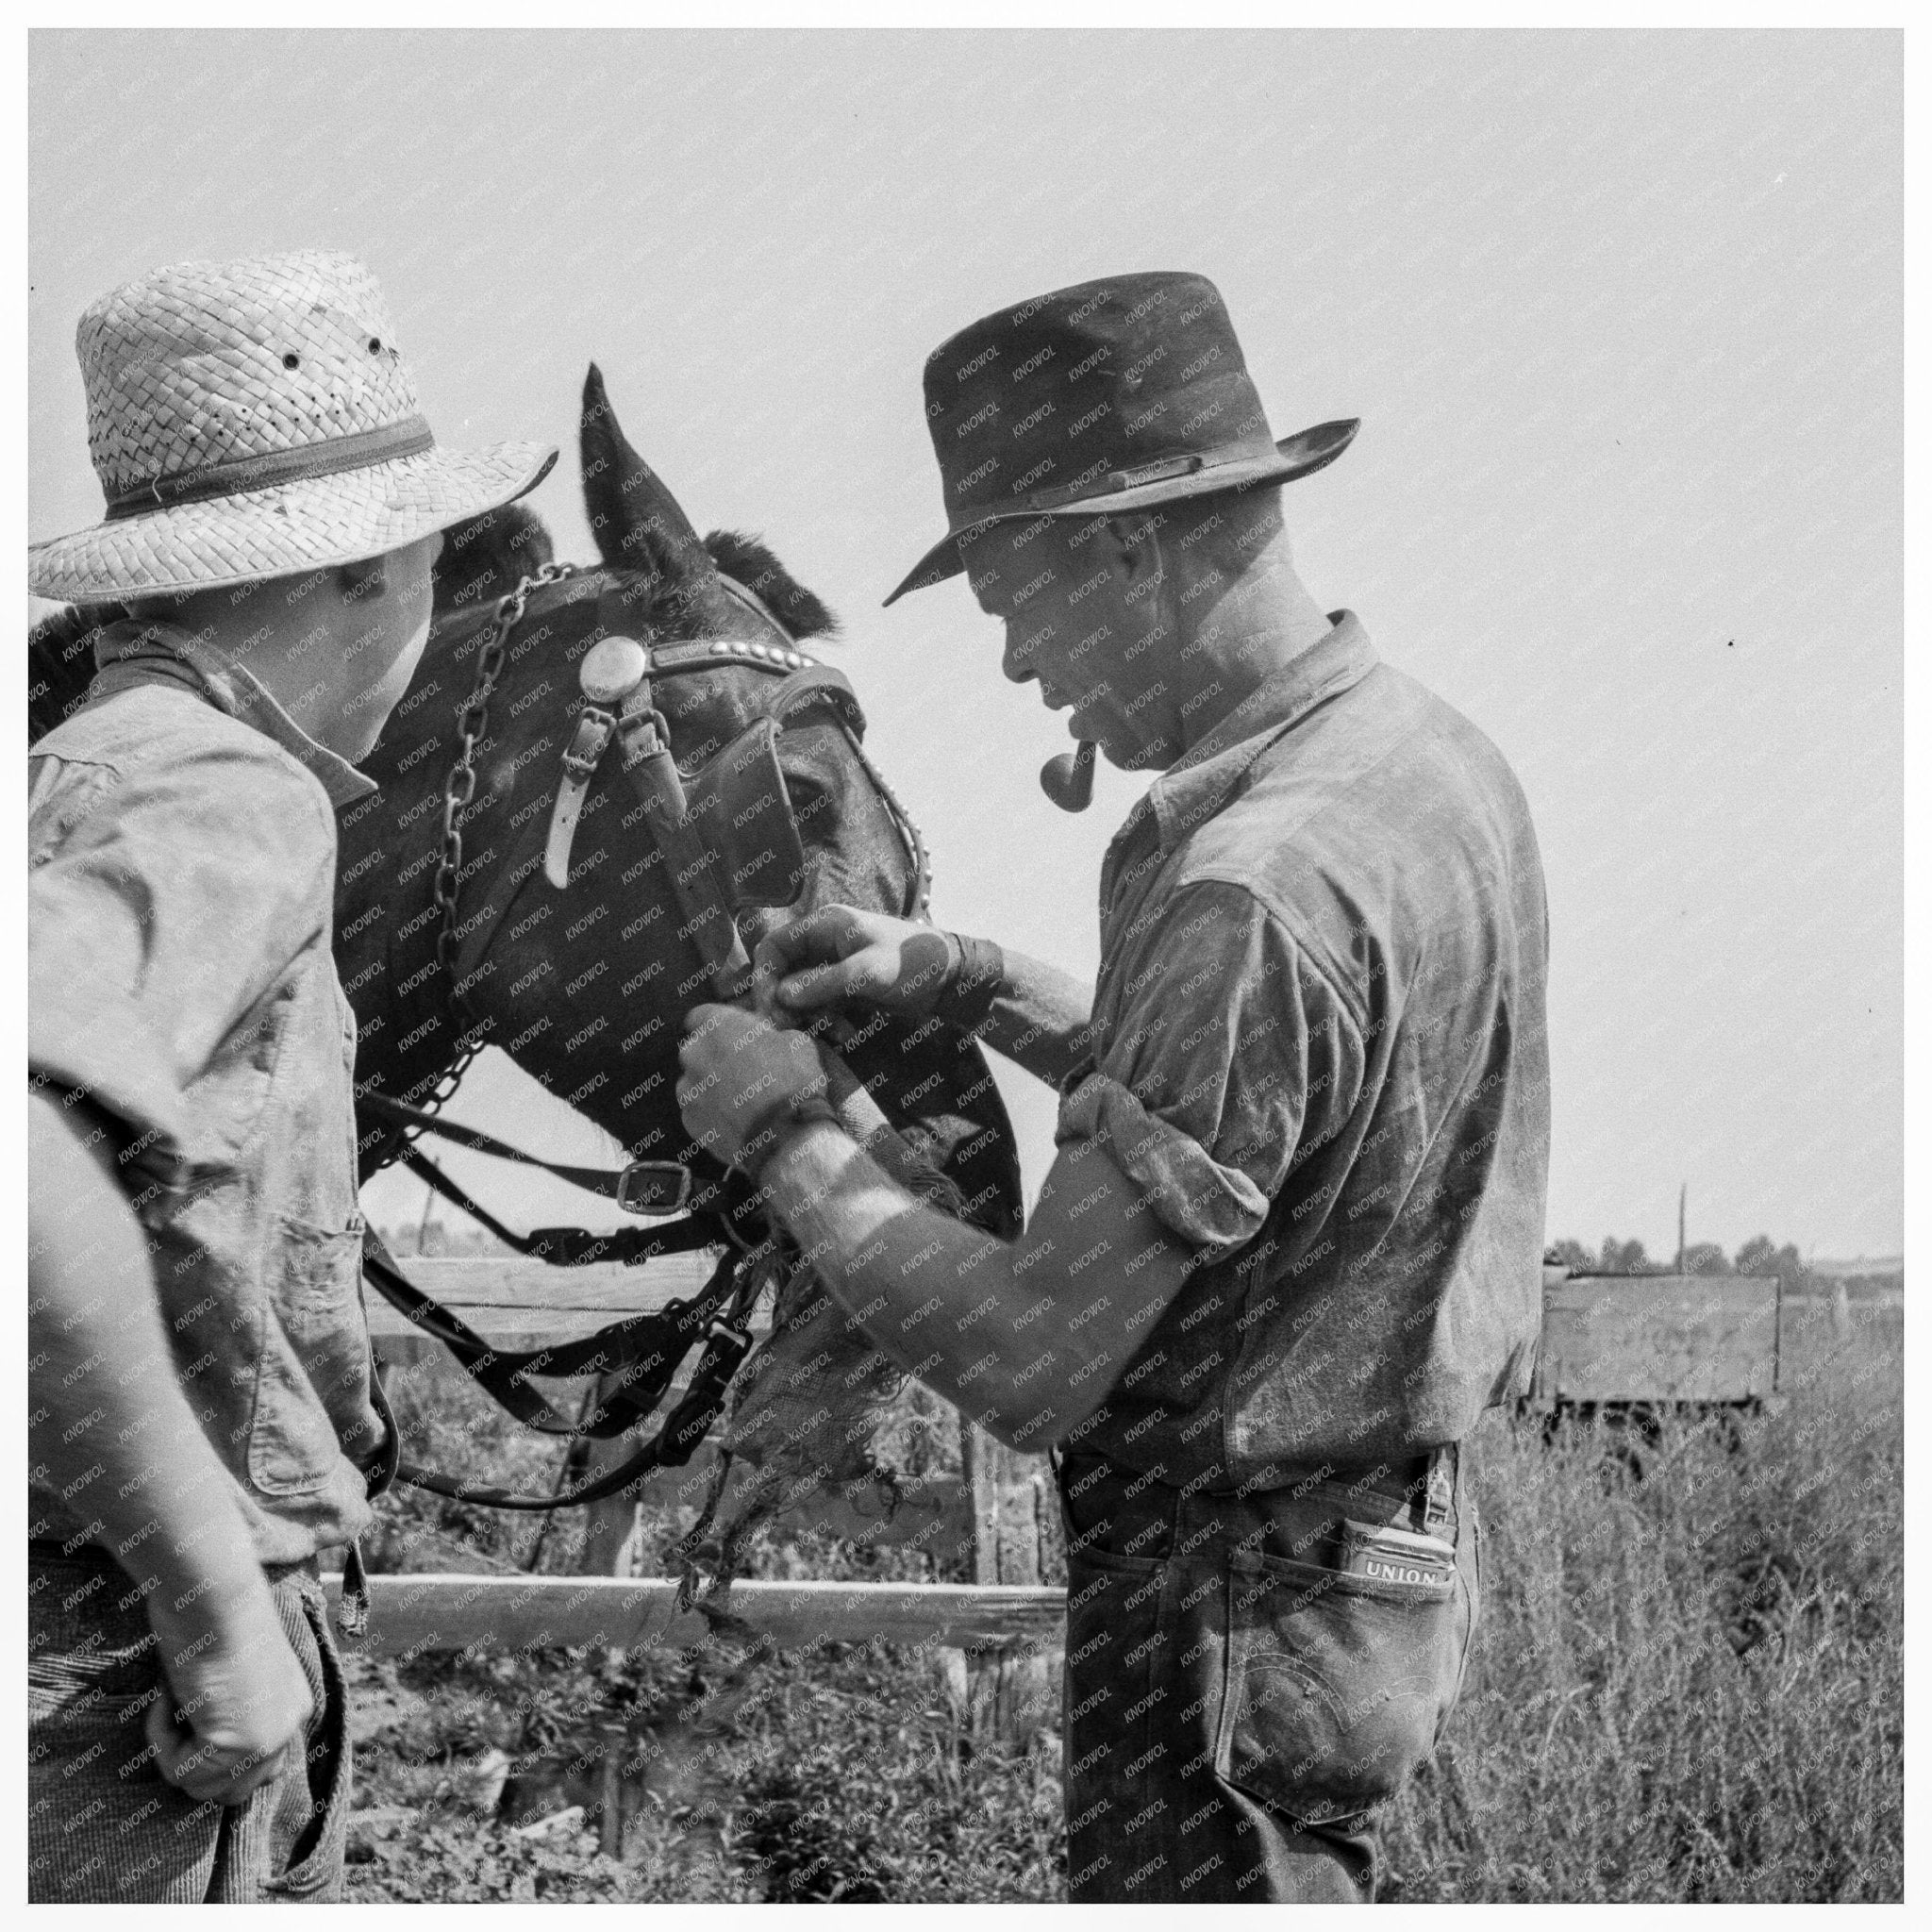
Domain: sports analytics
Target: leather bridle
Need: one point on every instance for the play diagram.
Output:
(619, 677)
(639, 1354)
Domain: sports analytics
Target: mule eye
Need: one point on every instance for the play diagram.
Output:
(808, 798)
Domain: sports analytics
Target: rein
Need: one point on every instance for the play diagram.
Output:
(636, 1357)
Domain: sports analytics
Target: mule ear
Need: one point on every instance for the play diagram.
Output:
(487, 556)
(636, 522)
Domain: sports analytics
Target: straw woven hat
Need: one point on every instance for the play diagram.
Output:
(254, 419)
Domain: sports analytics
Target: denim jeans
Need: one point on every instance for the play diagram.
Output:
(103, 1825)
(1249, 1678)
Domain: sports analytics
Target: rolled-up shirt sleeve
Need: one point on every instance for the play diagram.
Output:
(1229, 1052)
(164, 904)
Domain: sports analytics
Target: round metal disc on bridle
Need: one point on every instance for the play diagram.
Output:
(612, 668)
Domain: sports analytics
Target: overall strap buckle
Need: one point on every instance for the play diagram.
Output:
(1438, 1505)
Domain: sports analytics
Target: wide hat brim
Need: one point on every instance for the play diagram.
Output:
(1300, 455)
(314, 524)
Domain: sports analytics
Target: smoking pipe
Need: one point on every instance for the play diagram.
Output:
(1068, 779)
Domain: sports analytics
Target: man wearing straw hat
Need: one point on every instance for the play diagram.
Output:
(202, 1406)
(1290, 1249)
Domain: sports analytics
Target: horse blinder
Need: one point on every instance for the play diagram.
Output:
(736, 804)
(743, 812)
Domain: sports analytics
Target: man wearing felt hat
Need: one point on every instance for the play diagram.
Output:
(204, 1412)
(1290, 1248)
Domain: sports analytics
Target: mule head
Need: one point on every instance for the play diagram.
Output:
(587, 986)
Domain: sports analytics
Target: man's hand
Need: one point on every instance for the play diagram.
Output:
(742, 1078)
(111, 1424)
(236, 1699)
(838, 954)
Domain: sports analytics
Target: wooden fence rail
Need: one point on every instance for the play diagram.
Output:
(411, 1614)
(515, 1303)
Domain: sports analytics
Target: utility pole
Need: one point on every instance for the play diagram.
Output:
(1683, 1194)
(423, 1227)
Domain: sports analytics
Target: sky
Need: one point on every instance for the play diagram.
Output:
(1621, 314)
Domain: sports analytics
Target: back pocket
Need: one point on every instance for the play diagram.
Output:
(1339, 1683)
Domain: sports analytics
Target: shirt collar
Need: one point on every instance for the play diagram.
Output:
(1195, 788)
(236, 690)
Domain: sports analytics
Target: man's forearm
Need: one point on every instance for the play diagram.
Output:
(109, 1427)
(1041, 1020)
(948, 1303)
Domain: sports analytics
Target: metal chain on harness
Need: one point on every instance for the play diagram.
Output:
(473, 723)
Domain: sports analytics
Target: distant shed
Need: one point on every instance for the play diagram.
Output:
(1658, 1337)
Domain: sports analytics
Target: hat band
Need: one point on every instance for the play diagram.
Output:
(1108, 483)
(1114, 481)
(409, 438)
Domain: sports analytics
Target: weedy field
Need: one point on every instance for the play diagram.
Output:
(1687, 1684)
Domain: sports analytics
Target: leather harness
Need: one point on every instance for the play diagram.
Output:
(734, 807)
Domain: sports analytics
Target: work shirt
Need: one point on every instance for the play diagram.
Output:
(181, 874)
(1319, 1050)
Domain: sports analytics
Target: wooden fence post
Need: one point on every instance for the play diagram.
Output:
(609, 1525)
(610, 1790)
(1008, 1692)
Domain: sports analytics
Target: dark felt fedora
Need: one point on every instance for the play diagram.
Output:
(1099, 398)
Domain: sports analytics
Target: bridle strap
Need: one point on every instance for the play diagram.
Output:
(571, 1247)
(747, 595)
(673, 1446)
(638, 1357)
(690, 864)
(614, 1184)
(718, 1312)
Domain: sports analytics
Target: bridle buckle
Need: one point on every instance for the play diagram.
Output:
(653, 1187)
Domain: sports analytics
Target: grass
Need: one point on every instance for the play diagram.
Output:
(1687, 1685)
